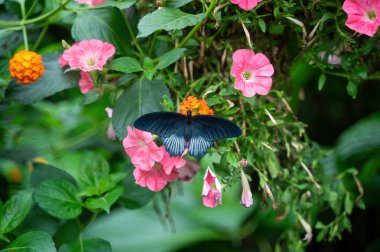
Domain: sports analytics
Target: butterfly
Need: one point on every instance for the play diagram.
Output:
(179, 132)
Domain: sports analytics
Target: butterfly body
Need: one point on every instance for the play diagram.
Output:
(179, 132)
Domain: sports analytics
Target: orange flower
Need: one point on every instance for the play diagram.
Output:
(197, 107)
(15, 175)
(26, 67)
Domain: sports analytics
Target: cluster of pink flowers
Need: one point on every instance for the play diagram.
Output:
(87, 56)
(363, 16)
(154, 167)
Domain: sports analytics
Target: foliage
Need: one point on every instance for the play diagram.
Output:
(60, 172)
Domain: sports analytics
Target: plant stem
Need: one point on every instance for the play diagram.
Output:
(31, 9)
(42, 34)
(195, 28)
(33, 20)
(134, 40)
(24, 34)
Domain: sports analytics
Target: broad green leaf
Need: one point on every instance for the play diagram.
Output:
(120, 4)
(142, 97)
(262, 25)
(59, 198)
(5, 76)
(93, 168)
(91, 96)
(134, 196)
(67, 232)
(42, 172)
(352, 89)
(167, 19)
(170, 57)
(53, 81)
(321, 81)
(91, 245)
(126, 65)
(15, 210)
(31, 242)
(176, 3)
(106, 201)
(110, 180)
(106, 25)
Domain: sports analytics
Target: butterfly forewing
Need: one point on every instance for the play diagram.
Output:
(160, 123)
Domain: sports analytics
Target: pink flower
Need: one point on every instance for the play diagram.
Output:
(158, 176)
(188, 171)
(110, 131)
(363, 15)
(212, 190)
(88, 55)
(246, 4)
(252, 72)
(141, 149)
(85, 83)
(90, 2)
(246, 196)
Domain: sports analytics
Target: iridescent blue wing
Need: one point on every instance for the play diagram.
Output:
(214, 128)
(163, 124)
(176, 143)
(198, 146)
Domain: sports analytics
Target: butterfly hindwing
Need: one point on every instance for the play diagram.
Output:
(198, 145)
(163, 124)
(176, 143)
(215, 128)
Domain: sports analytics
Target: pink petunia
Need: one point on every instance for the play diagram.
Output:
(246, 195)
(158, 176)
(363, 15)
(246, 4)
(90, 2)
(110, 131)
(62, 62)
(252, 72)
(85, 83)
(188, 171)
(88, 55)
(141, 149)
(212, 190)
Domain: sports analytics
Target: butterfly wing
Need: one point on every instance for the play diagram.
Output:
(163, 124)
(198, 145)
(175, 144)
(214, 128)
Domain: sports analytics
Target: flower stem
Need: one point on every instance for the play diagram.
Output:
(24, 34)
(134, 40)
(42, 34)
(195, 28)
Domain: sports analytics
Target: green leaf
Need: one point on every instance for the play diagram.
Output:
(321, 81)
(31, 242)
(167, 19)
(126, 65)
(348, 204)
(91, 245)
(106, 25)
(352, 89)
(120, 4)
(110, 180)
(176, 3)
(5, 76)
(262, 25)
(53, 81)
(67, 232)
(105, 202)
(170, 57)
(92, 169)
(142, 97)
(91, 96)
(15, 210)
(42, 172)
(59, 198)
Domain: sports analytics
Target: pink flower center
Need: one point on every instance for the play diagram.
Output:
(157, 166)
(90, 61)
(247, 75)
(371, 15)
(141, 143)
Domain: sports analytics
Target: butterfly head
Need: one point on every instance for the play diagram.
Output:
(189, 113)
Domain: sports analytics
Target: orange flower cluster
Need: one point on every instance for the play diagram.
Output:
(197, 107)
(26, 67)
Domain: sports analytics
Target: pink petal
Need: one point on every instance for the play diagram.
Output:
(85, 83)
(262, 85)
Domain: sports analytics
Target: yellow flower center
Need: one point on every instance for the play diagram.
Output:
(26, 66)
(247, 75)
(90, 61)
(197, 107)
(371, 15)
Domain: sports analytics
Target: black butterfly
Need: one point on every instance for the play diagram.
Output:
(178, 132)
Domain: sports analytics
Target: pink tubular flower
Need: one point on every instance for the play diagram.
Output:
(252, 72)
(110, 131)
(90, 2)
(246, 196)
(157, 177)
(88, 55)
(246, 4)
(212, 190)
(141, 149)
(188, 171)
(85, 83)
(363, 15)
